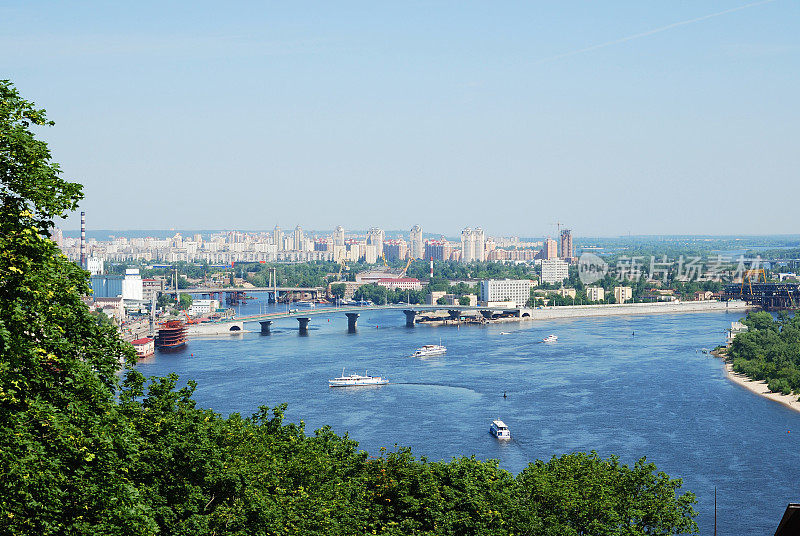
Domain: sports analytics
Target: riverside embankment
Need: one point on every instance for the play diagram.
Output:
(577, 311)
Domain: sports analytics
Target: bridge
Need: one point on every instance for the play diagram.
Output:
(218, 290)
(769, 296)
(304, 316)
(235, 294)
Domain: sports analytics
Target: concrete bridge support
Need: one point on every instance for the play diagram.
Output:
(303, 325)
(265, 324)
(455, 314)
(487, 314)
(351, 322)
(410, 316)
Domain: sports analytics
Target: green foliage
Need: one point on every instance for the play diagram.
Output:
(63, 447)
(185, 301)
(83, 452)
(338, 290)
(769, 351)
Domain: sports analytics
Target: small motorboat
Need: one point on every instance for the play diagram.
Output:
(550, 338)
(499, 430)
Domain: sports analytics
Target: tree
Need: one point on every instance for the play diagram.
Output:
(185, 301)
(338, 290)
(463, 300)
(62, 446)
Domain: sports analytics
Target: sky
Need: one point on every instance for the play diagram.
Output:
(642, 117)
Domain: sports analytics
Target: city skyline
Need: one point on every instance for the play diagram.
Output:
(612, 116)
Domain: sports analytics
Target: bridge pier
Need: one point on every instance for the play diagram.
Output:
(488, 314)
(265, 324)
(455, 314)
(410, 316)
(351, 322)
(303, 325)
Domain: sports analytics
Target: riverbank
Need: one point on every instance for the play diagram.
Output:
(760, 388)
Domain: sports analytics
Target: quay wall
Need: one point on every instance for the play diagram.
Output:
(576, 311)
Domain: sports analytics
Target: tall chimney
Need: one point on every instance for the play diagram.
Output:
(83, 240)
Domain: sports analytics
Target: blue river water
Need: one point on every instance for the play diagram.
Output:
(631, 386)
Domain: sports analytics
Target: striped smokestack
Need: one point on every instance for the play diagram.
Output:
(83, 240)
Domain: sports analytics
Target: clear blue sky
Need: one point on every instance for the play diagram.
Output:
(449, 114)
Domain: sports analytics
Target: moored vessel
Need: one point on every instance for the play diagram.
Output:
(356, 380)
(171, 335)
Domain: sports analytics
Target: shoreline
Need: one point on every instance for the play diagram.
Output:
(759, 387)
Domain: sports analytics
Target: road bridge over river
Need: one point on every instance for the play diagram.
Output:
(305, 315)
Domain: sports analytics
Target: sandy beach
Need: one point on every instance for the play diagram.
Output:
(760, 388)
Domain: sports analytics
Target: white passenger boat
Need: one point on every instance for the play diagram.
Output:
(429, 350)
(305, 304)
(550, 338)
(354, 380)
(499, 430)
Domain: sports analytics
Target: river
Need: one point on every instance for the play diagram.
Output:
(632, 386)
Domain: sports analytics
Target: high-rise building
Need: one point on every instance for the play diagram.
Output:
(417, 248)
(376, 238)
(549, 249)
(566, 245)
(298, 239)
(473, 245)
(277, 237)
(338, 236)
(395, 249)
(438, 250)
(554, 270)
(467, 245)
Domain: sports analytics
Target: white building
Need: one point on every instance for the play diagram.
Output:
(595, 293)
(376, 237)
(554, 270)
(338, 236)
(623, 294)
(95, 265)
(132, 288)
(473, 246)
(402, 283)
(517, 291)
(200, 307)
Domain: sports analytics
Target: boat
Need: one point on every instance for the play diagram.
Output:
(355, 380)
(429, 350)
(499, 430)
(305, 304)
(171, 335)
(550, 338)
(505, 333)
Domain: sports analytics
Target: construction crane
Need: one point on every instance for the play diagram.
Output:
(385, 264)
(749, 274)
(405, 269)
(342, 266)
(190, 320)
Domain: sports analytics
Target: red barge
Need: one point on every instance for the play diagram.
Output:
(171, 335)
